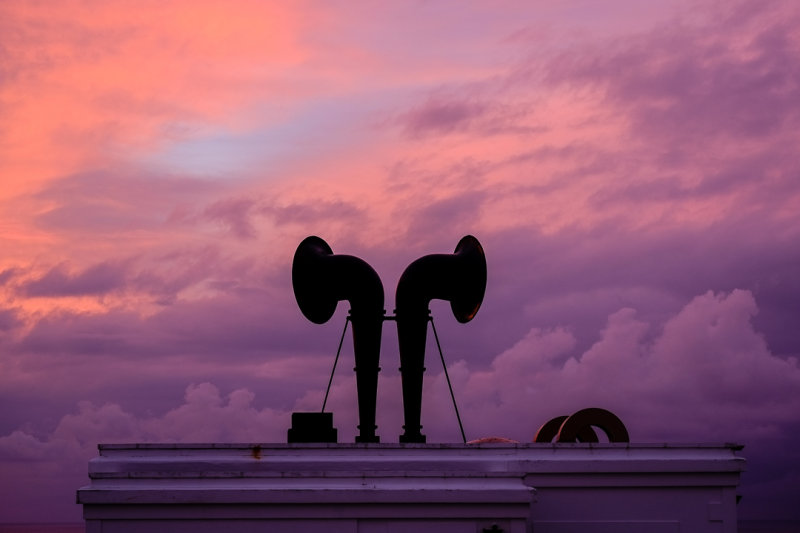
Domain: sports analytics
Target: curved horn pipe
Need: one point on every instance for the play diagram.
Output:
(549, 431)
(320, 280)
(459, 278)
(578, 427)
(610, 423)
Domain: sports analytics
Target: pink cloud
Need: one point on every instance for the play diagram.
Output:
(233, 213)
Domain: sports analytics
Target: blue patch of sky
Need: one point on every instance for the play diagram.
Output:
(315, 129)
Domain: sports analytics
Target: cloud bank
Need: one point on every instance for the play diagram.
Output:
(703, 375)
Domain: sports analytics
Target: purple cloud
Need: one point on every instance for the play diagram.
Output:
(98, 279)
(7, 275)
(313, 214)
(81, 334)
(689, 94)
(468, 109)
(233, 213)
(440, 115)
(435, 221)
(9, 320)
(204, 416)
(696, 81)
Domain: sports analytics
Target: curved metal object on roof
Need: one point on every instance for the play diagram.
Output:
(459, 278)
(321, 279)
(610, 423)
(549, 431)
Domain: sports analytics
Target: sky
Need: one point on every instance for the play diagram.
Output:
(630, 169)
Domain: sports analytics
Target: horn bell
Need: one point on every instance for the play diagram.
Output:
(471, 279)
(311, 283)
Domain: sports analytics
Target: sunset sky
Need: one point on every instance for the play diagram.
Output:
(631, 169)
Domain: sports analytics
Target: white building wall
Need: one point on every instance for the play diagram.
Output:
(544, 488)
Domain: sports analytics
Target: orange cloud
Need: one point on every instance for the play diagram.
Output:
(93, 82)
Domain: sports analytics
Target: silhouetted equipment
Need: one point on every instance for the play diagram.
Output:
(312, 427)
(549, 431)
(593, 416)
(459, 278)
(578, 427)
(320, 280)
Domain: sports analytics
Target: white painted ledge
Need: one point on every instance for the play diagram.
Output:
(425, 487)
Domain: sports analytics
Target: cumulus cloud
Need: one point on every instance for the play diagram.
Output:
(205, 416)
(703, 375)
(54, 465)
(707, 375)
